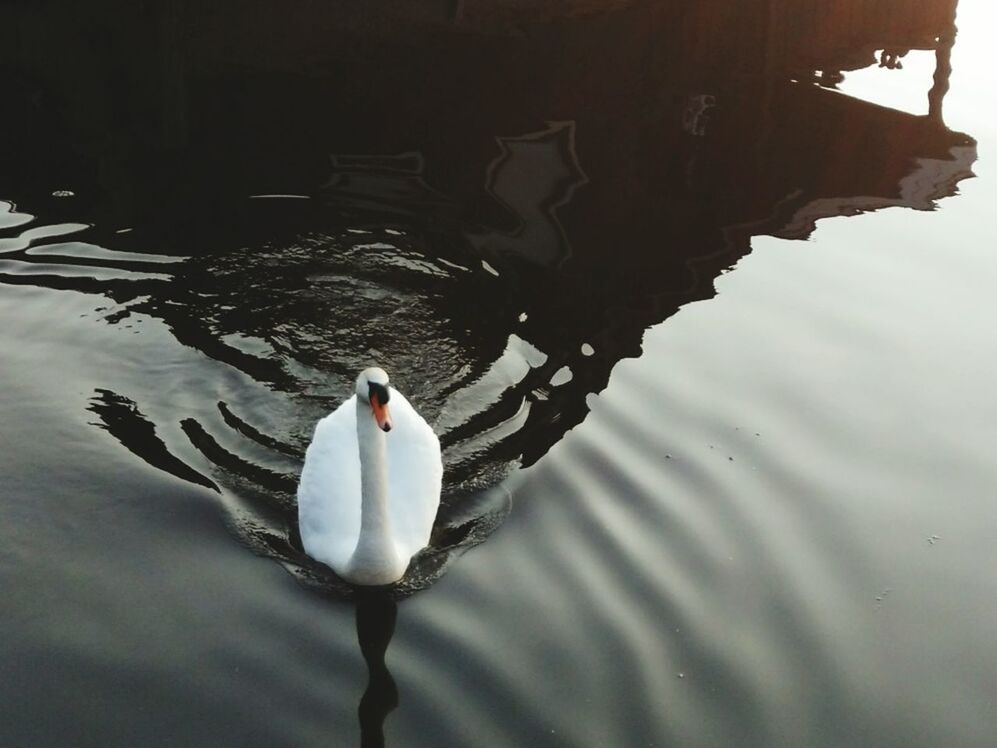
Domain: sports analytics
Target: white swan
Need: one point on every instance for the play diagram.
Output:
(367, 498)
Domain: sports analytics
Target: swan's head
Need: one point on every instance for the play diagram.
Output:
(372, 389)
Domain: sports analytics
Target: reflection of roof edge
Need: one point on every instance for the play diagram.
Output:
(560, 133)
(932, 180)
(849, 60)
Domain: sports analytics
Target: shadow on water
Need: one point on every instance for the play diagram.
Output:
(493, 202)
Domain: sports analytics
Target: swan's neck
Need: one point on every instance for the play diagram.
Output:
(375, 559)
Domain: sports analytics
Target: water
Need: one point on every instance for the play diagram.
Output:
(699, 300)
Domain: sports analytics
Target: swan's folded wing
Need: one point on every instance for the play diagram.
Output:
(415, 477)
(329, 490)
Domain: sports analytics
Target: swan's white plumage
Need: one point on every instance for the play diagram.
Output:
(329, 495)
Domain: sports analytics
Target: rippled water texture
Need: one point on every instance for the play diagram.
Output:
(698, 297)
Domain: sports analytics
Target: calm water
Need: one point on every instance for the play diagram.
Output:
(700, 301)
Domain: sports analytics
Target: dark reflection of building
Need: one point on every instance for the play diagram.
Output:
(607, 159)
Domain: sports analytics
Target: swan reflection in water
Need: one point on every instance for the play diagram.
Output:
(376, 613)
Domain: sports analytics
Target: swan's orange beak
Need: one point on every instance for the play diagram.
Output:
(381, 414)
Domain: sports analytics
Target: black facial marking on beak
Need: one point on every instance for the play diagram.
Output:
(380, 392)
(379, 396)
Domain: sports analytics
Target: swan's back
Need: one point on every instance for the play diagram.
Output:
(415, 477)
(329, 493)
(329, 489)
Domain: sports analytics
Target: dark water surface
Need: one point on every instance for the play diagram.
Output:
(718, 485)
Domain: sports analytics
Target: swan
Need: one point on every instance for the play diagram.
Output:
(370, 485)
